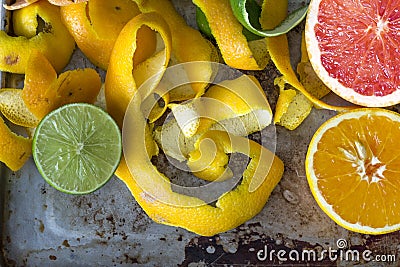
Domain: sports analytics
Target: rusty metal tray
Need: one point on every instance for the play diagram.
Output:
(43, 227)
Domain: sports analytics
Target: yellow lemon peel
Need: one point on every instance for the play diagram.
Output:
(187, 45)
(14, 109)
(96, 36)
(292, 113)
(279, 51)
(15, 149)
(43, 91)
(209, 162)
(273, 13)
(153, 190)
(53, 39)
(307, 75)
(286, 97)
(120, 84)
(238, 106)
(235, 49)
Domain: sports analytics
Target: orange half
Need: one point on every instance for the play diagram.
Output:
(353, 169)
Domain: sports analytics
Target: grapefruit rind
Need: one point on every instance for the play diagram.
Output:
(312, 180)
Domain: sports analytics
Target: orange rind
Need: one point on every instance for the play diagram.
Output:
(123, 76)
(52, 39)
(44, 91)
(96, 24)
(188, 45)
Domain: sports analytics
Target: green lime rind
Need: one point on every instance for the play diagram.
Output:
(253, 8)
(77, 148)
(292, 20)
(202, 23)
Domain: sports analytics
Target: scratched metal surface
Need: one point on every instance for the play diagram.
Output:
(43, 227)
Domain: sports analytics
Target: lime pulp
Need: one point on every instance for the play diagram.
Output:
(77, 148)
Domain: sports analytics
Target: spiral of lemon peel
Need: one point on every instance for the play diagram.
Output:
(184, 37)
(120, 84)
(153, 190)
(124, 90)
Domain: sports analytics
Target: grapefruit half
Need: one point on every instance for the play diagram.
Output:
(354, 48)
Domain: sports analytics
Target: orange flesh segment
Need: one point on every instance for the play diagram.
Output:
(359, 44)
(367, 197)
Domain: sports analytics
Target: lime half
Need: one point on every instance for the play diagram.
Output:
(77, 148)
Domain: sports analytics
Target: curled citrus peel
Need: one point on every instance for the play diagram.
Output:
(279, 51)
(19, 4)
(154, 192)
(96, 36)
(52, 39)
(293, 106)
(235, 49)
(238, 106)
(124, 77)
(43, 91)
(15, 149)
(307, 75)
(296, 102)
(254, 10)
(187, 45)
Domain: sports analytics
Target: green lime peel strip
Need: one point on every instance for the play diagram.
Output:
(291, 21)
